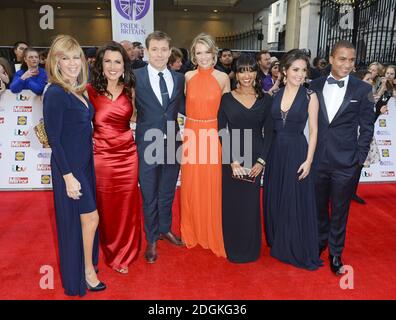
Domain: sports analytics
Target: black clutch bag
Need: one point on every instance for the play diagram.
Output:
(245, 176)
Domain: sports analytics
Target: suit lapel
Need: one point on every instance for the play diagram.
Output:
(347, 98)
(321, 99)
(175, 85)
(146, 81)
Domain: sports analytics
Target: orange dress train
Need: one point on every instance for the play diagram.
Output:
(200, 192)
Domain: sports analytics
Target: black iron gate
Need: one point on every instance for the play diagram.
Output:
(248, 40)
(369, 25)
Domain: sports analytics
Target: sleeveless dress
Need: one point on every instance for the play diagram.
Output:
(290, 215)
(116, 167)
(200, 192)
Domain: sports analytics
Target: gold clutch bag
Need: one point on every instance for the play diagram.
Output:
(41, 134)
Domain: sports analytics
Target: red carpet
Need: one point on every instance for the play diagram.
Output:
(27, 242)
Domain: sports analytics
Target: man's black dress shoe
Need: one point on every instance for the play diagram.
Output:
(172, 238)
(100, 287)
(151, 252)
(336, 265)
(358, 199)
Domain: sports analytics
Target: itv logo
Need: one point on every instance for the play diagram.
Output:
(21, 97)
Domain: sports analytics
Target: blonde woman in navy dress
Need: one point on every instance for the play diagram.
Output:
(67, 117)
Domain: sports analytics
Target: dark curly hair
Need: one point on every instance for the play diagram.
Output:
(99, 81)
(247, 62)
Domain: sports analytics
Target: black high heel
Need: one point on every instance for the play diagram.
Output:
(100, 287)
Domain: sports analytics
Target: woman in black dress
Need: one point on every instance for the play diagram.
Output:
(242, 115)
(289, 197)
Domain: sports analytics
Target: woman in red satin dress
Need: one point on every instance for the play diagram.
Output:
(115, 157)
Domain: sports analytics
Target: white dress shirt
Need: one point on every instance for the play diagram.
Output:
(155, 79)
(333, 96)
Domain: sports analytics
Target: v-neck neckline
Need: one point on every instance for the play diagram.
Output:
(86, 106)
(251, 107)
(292, 104)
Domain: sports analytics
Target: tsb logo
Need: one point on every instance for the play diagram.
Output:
(22, 121)
(20, 156)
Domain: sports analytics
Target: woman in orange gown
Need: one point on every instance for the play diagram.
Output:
(200, 190)
(116, 161)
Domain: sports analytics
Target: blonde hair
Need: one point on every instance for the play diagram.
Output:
(379, 66)
(208, 41)
(61, 45)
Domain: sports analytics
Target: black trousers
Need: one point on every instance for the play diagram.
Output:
(334, 190)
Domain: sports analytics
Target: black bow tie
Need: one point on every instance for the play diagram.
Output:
(331, 80)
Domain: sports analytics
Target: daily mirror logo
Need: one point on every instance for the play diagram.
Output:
(18, 180)
(22, 109)
(20, 144)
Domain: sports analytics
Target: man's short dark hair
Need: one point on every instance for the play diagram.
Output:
(158, 35)
(224, 50)
(264, 51)
(341, 44)
(136, 44)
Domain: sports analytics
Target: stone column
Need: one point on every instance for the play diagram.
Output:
(292, 36)
(309, 27)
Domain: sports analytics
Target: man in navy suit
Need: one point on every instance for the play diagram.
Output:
(159, 96)
(345, 130)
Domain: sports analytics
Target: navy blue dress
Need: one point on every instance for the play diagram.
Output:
(69, 128)
(290, 216)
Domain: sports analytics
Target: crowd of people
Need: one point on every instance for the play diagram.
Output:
(249, 114)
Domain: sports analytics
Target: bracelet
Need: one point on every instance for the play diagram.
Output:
(261, 161)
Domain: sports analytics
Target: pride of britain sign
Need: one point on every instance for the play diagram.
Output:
(132, 19)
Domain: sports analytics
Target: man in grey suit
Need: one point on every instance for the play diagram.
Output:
(159, 96)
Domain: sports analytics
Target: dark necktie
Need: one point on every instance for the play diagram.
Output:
(339, 83)
(164, 91)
